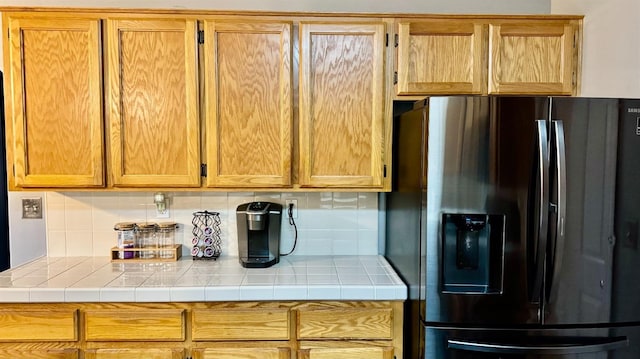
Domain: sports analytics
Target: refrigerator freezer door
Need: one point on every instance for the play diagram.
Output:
(601, 343)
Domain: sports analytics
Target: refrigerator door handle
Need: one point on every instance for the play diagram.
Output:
(538, 230)
(578, 345)
(561, 205)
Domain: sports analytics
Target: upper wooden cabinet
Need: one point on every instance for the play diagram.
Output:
(152, 97)
(488, 56)
(54, 102)
(441, 56)
(248, 82)
(532, 57)
(259, 101)
(341, 104)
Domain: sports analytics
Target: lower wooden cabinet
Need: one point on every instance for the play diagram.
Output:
(355, 352)
(135, 325)
(135, 353)
(242, 353)
(40, 324)
(241, 324)
(20, 353)
(206, 330)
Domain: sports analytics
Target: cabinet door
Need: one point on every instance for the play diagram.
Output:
(249, 104)
(154, 128)
(38, 325)
(242, 353)
(341, 104)
(54, 102)
(143, 325)
(135, 353)
(345, 323)
(224, 324)
(441, 57)
(347, 353)
(532, 58)
(38, 353)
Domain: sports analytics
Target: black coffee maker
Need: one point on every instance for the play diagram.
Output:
(259, 234)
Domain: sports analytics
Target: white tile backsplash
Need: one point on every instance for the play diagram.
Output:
(81, 224)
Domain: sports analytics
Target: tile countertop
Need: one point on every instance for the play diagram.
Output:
(96, 279)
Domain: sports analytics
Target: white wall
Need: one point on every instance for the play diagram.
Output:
(81, 223)
(611, 58)
(427, 6)
(26, 236)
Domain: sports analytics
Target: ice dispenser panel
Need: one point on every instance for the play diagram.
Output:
(473, 253)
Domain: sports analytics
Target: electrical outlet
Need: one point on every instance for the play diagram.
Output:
(295, 207)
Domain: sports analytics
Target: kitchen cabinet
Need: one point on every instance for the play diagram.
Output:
(134, 325)
(342, 97)
(53, 95)
(152, 99)
(478, 55)
(242, 353)
(250, 101)
(38, 353)
(204, 330)
(135, 353)
(248, 82)
(441, 56)
(527, 57)
(342, 352)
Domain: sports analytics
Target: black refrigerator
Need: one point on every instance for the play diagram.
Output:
(4, 200)
(514, 223)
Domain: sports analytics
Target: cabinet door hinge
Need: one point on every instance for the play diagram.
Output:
(384, 171)
(386, 40)
(201, 36)
(575, 39)
(573, 78)
(395, 78)
(396, 40)
(203, 170)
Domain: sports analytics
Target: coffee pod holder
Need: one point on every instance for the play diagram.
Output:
(206, 240)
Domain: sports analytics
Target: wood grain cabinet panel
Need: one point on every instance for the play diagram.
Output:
(373, 323)
(249, 103)
(487, 55)
(341, 104)
(266, 324)
(143, 325)
(54, 102)
(532, 57)
(38, 354)
(38, 325)
(441, 56)
(134, 353)
(242, 353)
(154, 128)
(347, 353)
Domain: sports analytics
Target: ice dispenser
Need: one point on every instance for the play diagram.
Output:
(473, 253)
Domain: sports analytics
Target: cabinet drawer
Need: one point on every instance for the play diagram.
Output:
(347, 353)
(242, 353)
(345, 324)
(145, 324)
(266, 324)
(131, 353)
(38, 325)
(39, 354)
